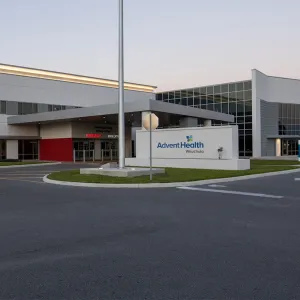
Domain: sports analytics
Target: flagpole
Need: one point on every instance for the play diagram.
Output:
(121, 90)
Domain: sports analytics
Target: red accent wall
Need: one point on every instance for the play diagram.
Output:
(56, 149)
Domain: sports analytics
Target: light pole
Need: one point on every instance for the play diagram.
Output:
(121, 90)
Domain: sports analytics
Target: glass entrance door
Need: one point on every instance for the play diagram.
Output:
(2, 149)
(289, 147)
(109, 149)
(84, 150)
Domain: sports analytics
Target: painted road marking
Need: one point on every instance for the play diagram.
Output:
(16, 179)
(230, 192)
(297, 179)
(217, 186)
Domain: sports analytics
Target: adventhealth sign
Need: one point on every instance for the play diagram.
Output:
(190, 145)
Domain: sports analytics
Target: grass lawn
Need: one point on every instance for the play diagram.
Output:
(16, 163)
(172, 175)
(258, 162)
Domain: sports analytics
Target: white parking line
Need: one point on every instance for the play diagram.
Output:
(217, 186)
(229, 192)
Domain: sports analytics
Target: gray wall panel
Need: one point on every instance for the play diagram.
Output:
(269, 126)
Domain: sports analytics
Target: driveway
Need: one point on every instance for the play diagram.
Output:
(60, 242)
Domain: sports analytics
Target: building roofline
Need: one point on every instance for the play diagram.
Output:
(202, 86)
(279, 77)
(72, 78)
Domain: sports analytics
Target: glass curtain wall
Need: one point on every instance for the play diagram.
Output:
(289, 119)
(28, 149)
(229, 98)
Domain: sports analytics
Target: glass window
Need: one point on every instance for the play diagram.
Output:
(34, 108)
(165, 96)
(224, 97)
(56, 107)
(232, 108)
(190, 101)
(210, 90)
(218, 107)
(171, 95)
(184, 101)
(225, 109)
(248, 108)
(20, 108)
(224, 88)
(217, 89)
(247, 85)
(26, 108)
(50, 107)
(248, 119)
(183, 93)
(240, 86)
(42, 108)
(12, 108)
(177, 94)
(217, 98)
(240, 95)
(159, 97)
(232, 97)
(232, 87)
(196, 92)
(248, 95)
(240, 108)
(203, 100)
(3, 107)
(190, 93)
(197, 101)
(203, 90)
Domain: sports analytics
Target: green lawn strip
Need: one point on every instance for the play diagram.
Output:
(18, 163)
(258, 162)
(172, 175)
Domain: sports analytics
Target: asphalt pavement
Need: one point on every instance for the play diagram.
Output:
(60, 242)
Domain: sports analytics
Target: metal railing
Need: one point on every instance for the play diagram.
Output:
(83, 155)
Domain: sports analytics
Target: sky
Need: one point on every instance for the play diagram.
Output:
(171, 44)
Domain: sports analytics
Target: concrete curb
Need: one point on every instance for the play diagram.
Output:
(165, 185)
(28, 165)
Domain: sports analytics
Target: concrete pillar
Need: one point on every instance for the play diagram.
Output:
(12, 151)
(207, 122)
(188, 122)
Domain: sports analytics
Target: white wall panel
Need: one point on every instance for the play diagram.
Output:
(12, 151)
(56, 130)
(14, 130)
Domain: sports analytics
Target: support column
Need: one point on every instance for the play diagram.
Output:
(278, 147)
(207, 122)
(12, 151)
(188, 122)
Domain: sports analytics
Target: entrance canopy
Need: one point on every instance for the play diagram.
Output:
(132, 110)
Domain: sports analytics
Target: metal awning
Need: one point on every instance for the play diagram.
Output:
(112, 109)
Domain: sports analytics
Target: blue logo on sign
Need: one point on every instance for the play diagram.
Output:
(189, 144)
